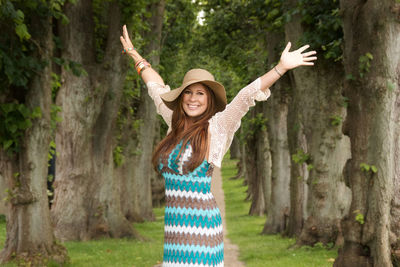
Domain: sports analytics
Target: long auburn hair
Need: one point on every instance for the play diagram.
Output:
(196, 134)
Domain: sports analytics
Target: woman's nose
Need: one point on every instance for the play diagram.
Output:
(193, 97)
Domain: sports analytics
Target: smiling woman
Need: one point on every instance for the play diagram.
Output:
(195, 99)
(201, 129)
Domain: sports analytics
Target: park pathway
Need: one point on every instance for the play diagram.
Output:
(231, 251)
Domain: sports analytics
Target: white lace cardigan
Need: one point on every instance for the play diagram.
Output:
(224, 124)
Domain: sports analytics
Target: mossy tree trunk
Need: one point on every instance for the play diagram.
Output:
(277, 111)
(87, 194)
(297, 143)
(320, 111)
(372, 63)
(139, 171)
(3, 204)
(258, 163)
(30, 237)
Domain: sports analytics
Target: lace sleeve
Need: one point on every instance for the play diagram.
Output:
(155, 90)
(224, 124)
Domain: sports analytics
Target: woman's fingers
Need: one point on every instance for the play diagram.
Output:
(309, 58)
(307, 54)
(287, 48)
(126, 37)
(301, 49)
(124, 44)
(125, 32)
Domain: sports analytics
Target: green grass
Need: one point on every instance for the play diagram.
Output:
(116, 252)
(262, 250)
(244, 230)
(122, 252)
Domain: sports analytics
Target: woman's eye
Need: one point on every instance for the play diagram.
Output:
(187, 92)
(200, 93)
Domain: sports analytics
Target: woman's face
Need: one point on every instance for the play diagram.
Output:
(195, 99)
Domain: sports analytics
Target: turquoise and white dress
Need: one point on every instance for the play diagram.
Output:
(193, 234)
(193, 227)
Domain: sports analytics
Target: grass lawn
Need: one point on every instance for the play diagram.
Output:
(115, 252)
(255, 249)
(262, 250)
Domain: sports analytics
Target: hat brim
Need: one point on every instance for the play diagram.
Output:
(170, 98)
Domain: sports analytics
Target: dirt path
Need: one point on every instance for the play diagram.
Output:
(231, 251)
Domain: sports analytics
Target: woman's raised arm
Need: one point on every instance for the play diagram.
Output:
(148, 74)
(288, 61)
(153, 80)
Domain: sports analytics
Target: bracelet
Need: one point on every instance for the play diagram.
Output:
(277, 71)
(142, 69)
(142, 65)
(123, 51)
(140, 61)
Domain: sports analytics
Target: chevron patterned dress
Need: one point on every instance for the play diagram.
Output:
(193, 227)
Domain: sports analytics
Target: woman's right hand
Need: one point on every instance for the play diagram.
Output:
(127, 44)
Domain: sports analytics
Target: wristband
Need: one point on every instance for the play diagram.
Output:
(277, 71)
(141, 65)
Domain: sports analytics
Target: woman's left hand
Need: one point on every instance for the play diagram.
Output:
(291, 60)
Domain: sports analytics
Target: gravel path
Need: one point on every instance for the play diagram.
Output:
(231, 251)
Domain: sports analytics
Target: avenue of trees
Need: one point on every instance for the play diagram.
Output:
(321, 157)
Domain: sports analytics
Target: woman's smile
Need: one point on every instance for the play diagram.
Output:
(195, 100)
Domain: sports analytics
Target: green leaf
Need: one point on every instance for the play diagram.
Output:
(22, 31)
(374, 169)
(369, 55)
(23, 110)
(36, 113)
(364, 167)
(19, 17)
(12, 128)
(7, 144)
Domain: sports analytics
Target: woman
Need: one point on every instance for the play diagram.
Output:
(201, 128)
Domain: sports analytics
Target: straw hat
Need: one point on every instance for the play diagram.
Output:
(197, 76)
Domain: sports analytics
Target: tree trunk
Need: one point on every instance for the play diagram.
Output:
(395, 205)
(87, 199)
(297, 143)
(329, 198)
(139, 205)
(3, 204)
(278, 210)
(318, 93)
(298, 172)
(29, 233)
(241, 164)
(258, 165)
(373, 171)
(235, 148)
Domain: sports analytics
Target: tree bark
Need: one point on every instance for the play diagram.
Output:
(87, 196)
(278, 210)
(235, 148)
(241, 164)
(374, 96)
(297, 142)
(258, 166)
(139, 205)
(298, 172)
(29, 232)
(3, 204)
(329, 198)
(321, 110)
